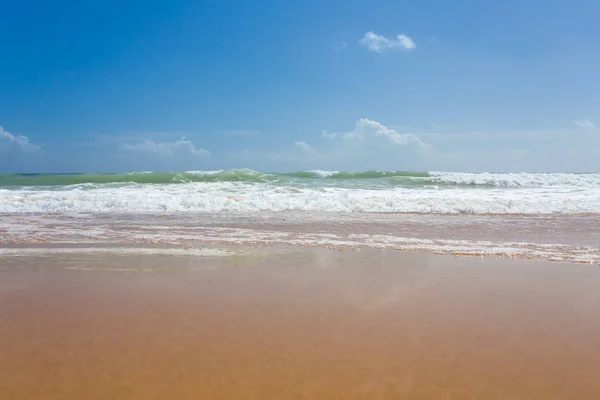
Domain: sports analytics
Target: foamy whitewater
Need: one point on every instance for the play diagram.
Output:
(546, 216)
(247, 191)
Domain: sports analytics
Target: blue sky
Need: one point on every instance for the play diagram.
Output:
(281, 85)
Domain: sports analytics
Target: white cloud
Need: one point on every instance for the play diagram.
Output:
(372, 145)
(367, 129)
(585, 123)
(22, 142)
(304, 148)
(166, 149)
(382, 44)
(369, 145)
(300, 151)
(328, 135)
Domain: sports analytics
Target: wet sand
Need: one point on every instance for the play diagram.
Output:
(298, 323)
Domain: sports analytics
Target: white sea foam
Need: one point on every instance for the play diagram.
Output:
(517, 180)
(568, 238)
(250, 191)
(153, 251)
(241, 197)
(323, 174)
(211, 172)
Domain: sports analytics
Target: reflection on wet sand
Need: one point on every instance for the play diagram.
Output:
(298, 323)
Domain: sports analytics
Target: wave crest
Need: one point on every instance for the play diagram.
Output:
(313, 178)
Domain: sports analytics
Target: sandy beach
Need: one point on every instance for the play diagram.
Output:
(296, 323)
(287, 200)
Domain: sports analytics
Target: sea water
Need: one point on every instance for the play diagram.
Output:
(548, 216)
(244, 190)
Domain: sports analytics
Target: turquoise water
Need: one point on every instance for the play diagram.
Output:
(309, 179)
(235, 175)
(248, 191)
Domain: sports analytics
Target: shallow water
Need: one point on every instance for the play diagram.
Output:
(558, 237)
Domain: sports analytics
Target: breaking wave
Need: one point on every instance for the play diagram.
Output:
(313, 178)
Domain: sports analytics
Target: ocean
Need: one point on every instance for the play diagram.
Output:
(546, 216)
(244, 190)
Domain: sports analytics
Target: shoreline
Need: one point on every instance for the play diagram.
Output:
(218, 248)
(556, 238)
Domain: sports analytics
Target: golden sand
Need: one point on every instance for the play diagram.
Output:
(302, 324)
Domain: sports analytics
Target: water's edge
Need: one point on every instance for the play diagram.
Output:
(555, 238)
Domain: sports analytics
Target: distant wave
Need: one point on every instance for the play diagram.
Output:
(229, 175)
(356, 175)
(313, 178)
(233, 175)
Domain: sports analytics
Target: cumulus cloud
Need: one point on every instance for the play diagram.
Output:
(382, 44)
(372, 145)
(328, 135)
(585, 123)
(304, 147)
(367, 129)
(20, 142)
(369, 145)
(300, 151)
(166, 149)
